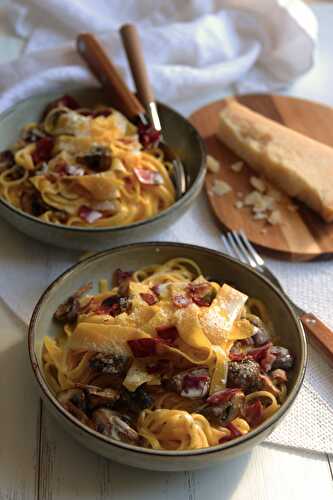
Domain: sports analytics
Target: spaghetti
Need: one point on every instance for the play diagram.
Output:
(86, 167)
(167, 359)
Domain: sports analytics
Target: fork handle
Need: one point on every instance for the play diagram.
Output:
(319, 333)
(106, 73)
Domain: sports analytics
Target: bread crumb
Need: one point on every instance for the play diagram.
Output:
(221, 188)
(274, 218)
(237, 166)
(212, 164)
(258, 184)
(239, 204)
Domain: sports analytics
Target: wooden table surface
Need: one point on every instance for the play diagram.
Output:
(39, 461)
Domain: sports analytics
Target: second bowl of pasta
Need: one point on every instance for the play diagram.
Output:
(80, 175)
(166, 356)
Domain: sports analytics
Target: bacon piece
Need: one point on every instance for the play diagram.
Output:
(43, 150)
(202, 294)
(234, 432)
(168, 333)
(222, 396)
(66, 101)
(142, 348)
(149, 298)
(254, 413)
(148, 135)
(148, 177)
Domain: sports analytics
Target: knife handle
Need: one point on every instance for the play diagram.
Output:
(106, 73)
(319, 333)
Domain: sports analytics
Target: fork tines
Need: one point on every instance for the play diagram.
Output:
(236, 243)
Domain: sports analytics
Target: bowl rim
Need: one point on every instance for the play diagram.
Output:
(271, 421)
(197, 183)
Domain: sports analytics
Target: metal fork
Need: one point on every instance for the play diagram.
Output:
(237, 244)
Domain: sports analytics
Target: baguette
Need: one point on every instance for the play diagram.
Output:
(298, 165)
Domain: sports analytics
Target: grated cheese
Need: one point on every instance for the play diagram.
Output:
(220, 188)
(212, 164)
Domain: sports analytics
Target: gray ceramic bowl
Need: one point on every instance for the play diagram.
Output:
(179, 134)
(215, 265)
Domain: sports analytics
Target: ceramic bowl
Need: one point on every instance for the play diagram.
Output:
(213, 264)
(179, 134)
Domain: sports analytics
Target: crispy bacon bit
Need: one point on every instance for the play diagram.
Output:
(113, 305)
(142, 348)
(254, 413)
(89, 215)
(148, 177)
(120, 276)
(102, 112)
(222, 396)
(149, 298)
(234, 432)
(43, 150)
(113, 425)
(148, 135)
(66, 101)
(181, 300)
(202, 293)
(168, 333)
(161, 366)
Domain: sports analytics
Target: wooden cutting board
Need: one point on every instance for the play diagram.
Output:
(303, 235)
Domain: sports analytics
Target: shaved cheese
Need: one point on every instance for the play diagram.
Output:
(218, 319)
(237, 166)
(137, 375)
(108, 338)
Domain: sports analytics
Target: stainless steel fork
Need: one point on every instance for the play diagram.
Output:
(237, 244)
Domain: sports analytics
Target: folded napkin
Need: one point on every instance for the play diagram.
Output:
(198, 47)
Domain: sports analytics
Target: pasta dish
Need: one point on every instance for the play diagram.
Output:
(166, 359)
(86, 167)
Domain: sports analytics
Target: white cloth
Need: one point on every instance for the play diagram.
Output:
(199, 46)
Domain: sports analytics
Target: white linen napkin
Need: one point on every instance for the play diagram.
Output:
(199, 46)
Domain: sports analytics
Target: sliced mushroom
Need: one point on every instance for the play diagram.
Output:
(111, 424)
(97, 397)
(97, 159)
(68, 311)
(134, 402)
(112, 364)
(74, 401)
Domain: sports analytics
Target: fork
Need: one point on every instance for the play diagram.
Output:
(237, 244)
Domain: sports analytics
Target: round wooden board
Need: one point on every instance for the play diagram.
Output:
(303, 235)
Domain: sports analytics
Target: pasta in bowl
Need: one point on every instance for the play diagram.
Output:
(86, 167)
(87, 178)
(165, 360)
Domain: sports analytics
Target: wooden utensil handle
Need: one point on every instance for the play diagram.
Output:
(136, 60)
(106, 73)
(319, 333)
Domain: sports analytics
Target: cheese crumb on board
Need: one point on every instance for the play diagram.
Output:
(220, 188)
(212, 164)
(275, 218)
(237, 166)
(239, 204)
(258, 184)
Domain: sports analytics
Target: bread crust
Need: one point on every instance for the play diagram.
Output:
(298, 165)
